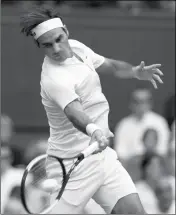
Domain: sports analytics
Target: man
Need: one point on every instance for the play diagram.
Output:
(77, 112)
(149, 142)
(169, 110)
(165, 194)
(10, 176)
(130, 130)
(7, 133)
(155, 187)
(171, 151)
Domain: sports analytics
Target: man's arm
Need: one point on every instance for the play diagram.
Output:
(82, 122)
(118, 68)
(66, 98)
(123, 69)
(76, 115)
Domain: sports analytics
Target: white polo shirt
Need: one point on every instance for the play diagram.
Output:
(62, 83)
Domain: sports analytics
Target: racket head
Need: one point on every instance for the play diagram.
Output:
(35, 195)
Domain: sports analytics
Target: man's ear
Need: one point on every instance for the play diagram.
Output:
(66, 30)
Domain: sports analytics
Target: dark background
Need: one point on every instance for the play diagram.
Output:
(134, 32)
(148, 36)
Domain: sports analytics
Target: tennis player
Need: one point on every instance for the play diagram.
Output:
(77, 113)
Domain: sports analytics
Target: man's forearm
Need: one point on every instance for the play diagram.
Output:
(118, 68)
(77, 116)
(80, 121)
(122, 69)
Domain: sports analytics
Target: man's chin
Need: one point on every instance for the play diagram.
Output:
(58, 58)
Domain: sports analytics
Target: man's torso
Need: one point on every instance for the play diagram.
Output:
(64, 137)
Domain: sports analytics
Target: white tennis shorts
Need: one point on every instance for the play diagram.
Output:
(100, 176)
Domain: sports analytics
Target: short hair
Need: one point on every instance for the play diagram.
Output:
(36, 16)
(141, 93)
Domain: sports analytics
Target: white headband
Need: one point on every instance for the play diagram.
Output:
(46, 26)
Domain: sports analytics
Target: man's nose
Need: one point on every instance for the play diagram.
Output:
(56, 48)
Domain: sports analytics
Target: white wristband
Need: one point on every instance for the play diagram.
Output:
(91, 128)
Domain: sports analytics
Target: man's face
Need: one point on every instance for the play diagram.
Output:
(55, 44)
(141, 102)
(150, 141)
(6, 129)
(164, 194)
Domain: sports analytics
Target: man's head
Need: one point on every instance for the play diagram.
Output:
(141, 101)
(49, 32)
(7, 128)
(164, 194)
(150, 140)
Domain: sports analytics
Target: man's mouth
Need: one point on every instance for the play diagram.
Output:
(57, 56)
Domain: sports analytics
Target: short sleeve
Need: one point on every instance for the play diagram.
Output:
(96, 59)
(61, 93)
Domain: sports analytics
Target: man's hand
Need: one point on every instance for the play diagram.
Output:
(148, 73)
(101, 139)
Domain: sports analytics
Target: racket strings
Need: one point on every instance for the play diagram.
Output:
(37, 197)
(39, 173)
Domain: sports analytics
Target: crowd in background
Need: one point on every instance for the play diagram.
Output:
(13, 162)
(134, 7)
(144, 142)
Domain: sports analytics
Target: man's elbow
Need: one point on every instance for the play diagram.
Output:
(105, 67)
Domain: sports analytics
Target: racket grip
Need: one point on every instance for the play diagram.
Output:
(89, 150)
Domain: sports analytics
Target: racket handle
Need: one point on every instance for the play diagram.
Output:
(92, 148)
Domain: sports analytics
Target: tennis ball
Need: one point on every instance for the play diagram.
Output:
(49, 185)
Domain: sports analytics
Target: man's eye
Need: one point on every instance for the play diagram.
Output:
(59, 39)
(47, 45)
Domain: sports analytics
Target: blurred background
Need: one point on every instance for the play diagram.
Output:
(141, 118)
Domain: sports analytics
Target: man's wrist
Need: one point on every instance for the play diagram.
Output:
(91, 128)
(134, 72)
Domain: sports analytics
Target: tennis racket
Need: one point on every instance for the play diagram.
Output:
(36, 187)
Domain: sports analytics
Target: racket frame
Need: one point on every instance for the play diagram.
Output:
(27, 171)
(85, 153)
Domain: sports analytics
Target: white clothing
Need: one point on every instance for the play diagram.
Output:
(171, 180)
(149, 199)
(61, 83)
(100, 177)
(10, 179)
(93, 208)
(129, 132)
(173, 136)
